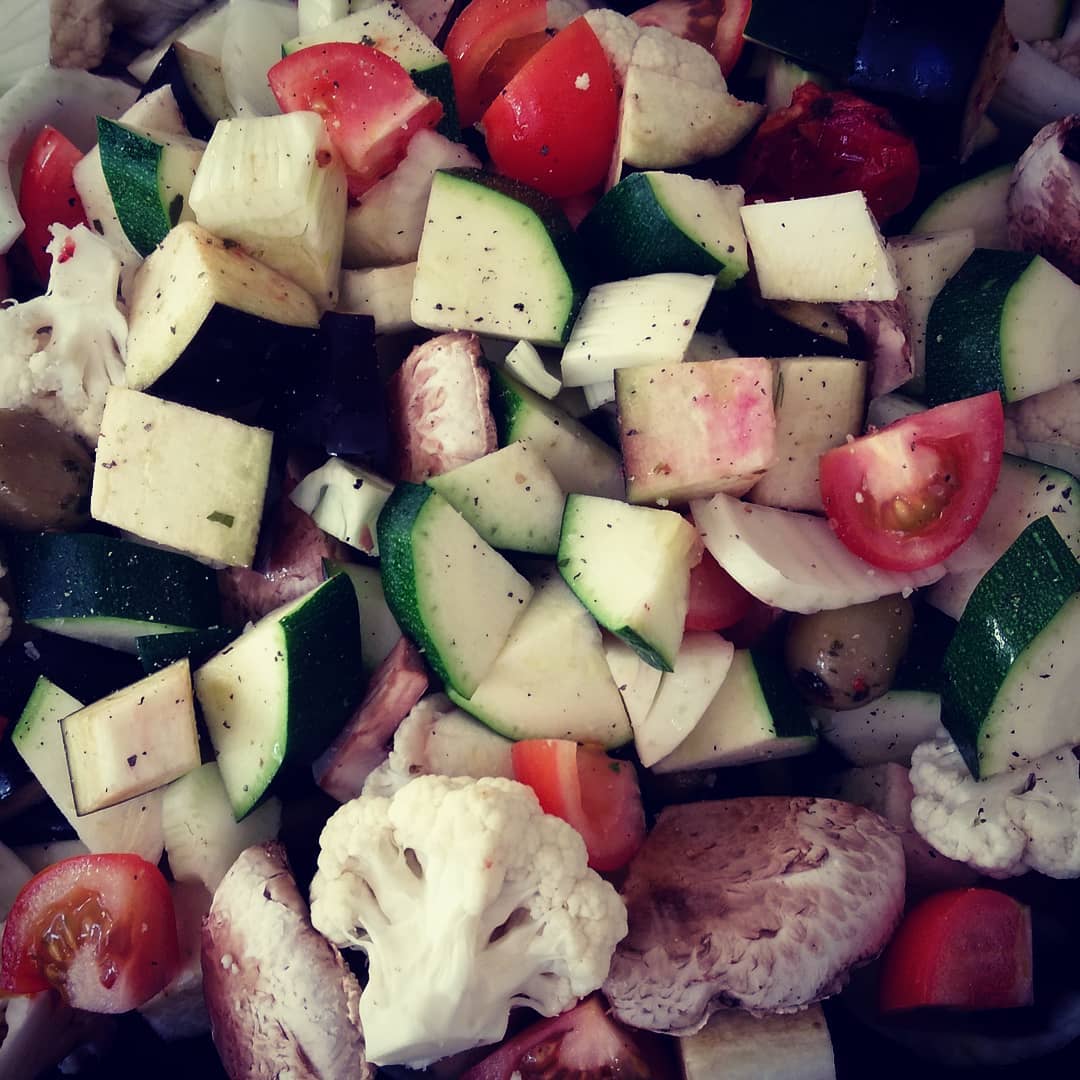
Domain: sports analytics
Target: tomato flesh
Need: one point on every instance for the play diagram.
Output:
(907, 496)
(47, 195)
(553, 125)
(583, 1042)
(596, 794)
(961, 949)
(368, 101)
(478, 33)
(827, 142)
(101, 929)
(717, 600)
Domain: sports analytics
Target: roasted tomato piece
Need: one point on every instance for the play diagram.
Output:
(47, 195)
(101, 929)
(596, 794)
(717, 600)
(827, 142)
(909, 495)
(961, 949)
(368, 101)
(553, 125)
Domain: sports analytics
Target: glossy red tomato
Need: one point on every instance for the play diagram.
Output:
(909, 495)
(961, 949)
(553, 126)
(367, 100)
(478, 33)
(827, 142)
(47, 195)
(101, 929)
(596, 794)
(583, 1042)
(716, 25)
(717, 600)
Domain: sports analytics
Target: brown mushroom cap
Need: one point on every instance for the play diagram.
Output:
(760, 903)
(282, 1002)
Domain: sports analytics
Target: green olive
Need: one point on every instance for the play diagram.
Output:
(44, 474)
(844, 658)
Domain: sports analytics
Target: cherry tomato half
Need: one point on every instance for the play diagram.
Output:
(101, 929)
(717, 600)
(909, 495)
(596, 794)
(827, 142)
(583, 1042)
(553, 125)
(47, 195)
(478, 33)
(368, 101)
(962, 949)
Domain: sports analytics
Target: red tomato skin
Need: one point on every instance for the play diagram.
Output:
(949, 457)
(553, 126)
(595, 794)
(827, 142)
(47, 195)
(476, 36)
(136, 898)
(728, 43)
(368, 101)
(964, 949)
(716, 25)
(717, 600)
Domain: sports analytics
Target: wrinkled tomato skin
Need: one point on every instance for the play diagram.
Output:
(962, 949)
(906, 497)
(594, 793)
(553, 126)
(101, 929)
(47, 195)
(827, 142)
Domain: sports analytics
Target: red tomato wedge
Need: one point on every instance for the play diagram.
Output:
(717, 600)
(909, 495)
(478, 33)
(583, 1042)
(596, 794)
(716, 25)
(47, 195)
(368, 101)
(961, 949)
(553, 125)
(101, 929)
(728, 41)
(827, 142)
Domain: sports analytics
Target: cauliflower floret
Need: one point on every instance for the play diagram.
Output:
(1025, 819)
(1050, 417)
(438, 738)
(79, 32)
(60, 353)
(660, 50)
(468, 900)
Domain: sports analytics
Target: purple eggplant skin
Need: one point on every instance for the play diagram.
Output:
(936, 65)
(1044, 197)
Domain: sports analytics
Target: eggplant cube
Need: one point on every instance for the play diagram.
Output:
(690, 430)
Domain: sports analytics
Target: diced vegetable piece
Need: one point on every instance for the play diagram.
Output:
(197, 84)
(526, 365)
(344, 500)
(156, 651)
(978, 204)
(379, 630)
(885, 730)
(383, 292)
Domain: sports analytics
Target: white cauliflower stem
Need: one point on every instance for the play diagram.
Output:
(1025, 819)
(467, 900)
(60, 353)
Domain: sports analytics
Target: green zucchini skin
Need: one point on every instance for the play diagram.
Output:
(157, 651)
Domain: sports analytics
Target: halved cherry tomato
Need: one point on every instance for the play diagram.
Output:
(961, 949)
(909, 495)
(596, 794)
(716, 25)
(827, 142)
(47, 195)
(368, 101)
(510, 57)
(101, 929)
(583, 1042)
(553, 126)
(478, 33)
(717, 600)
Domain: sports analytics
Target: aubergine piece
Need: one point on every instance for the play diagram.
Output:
(815, 38)
(197, 84)
(937, 65)
(330, 393)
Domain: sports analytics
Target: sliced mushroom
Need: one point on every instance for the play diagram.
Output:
(759, 903)
(1044, 198)
(281, 1000)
